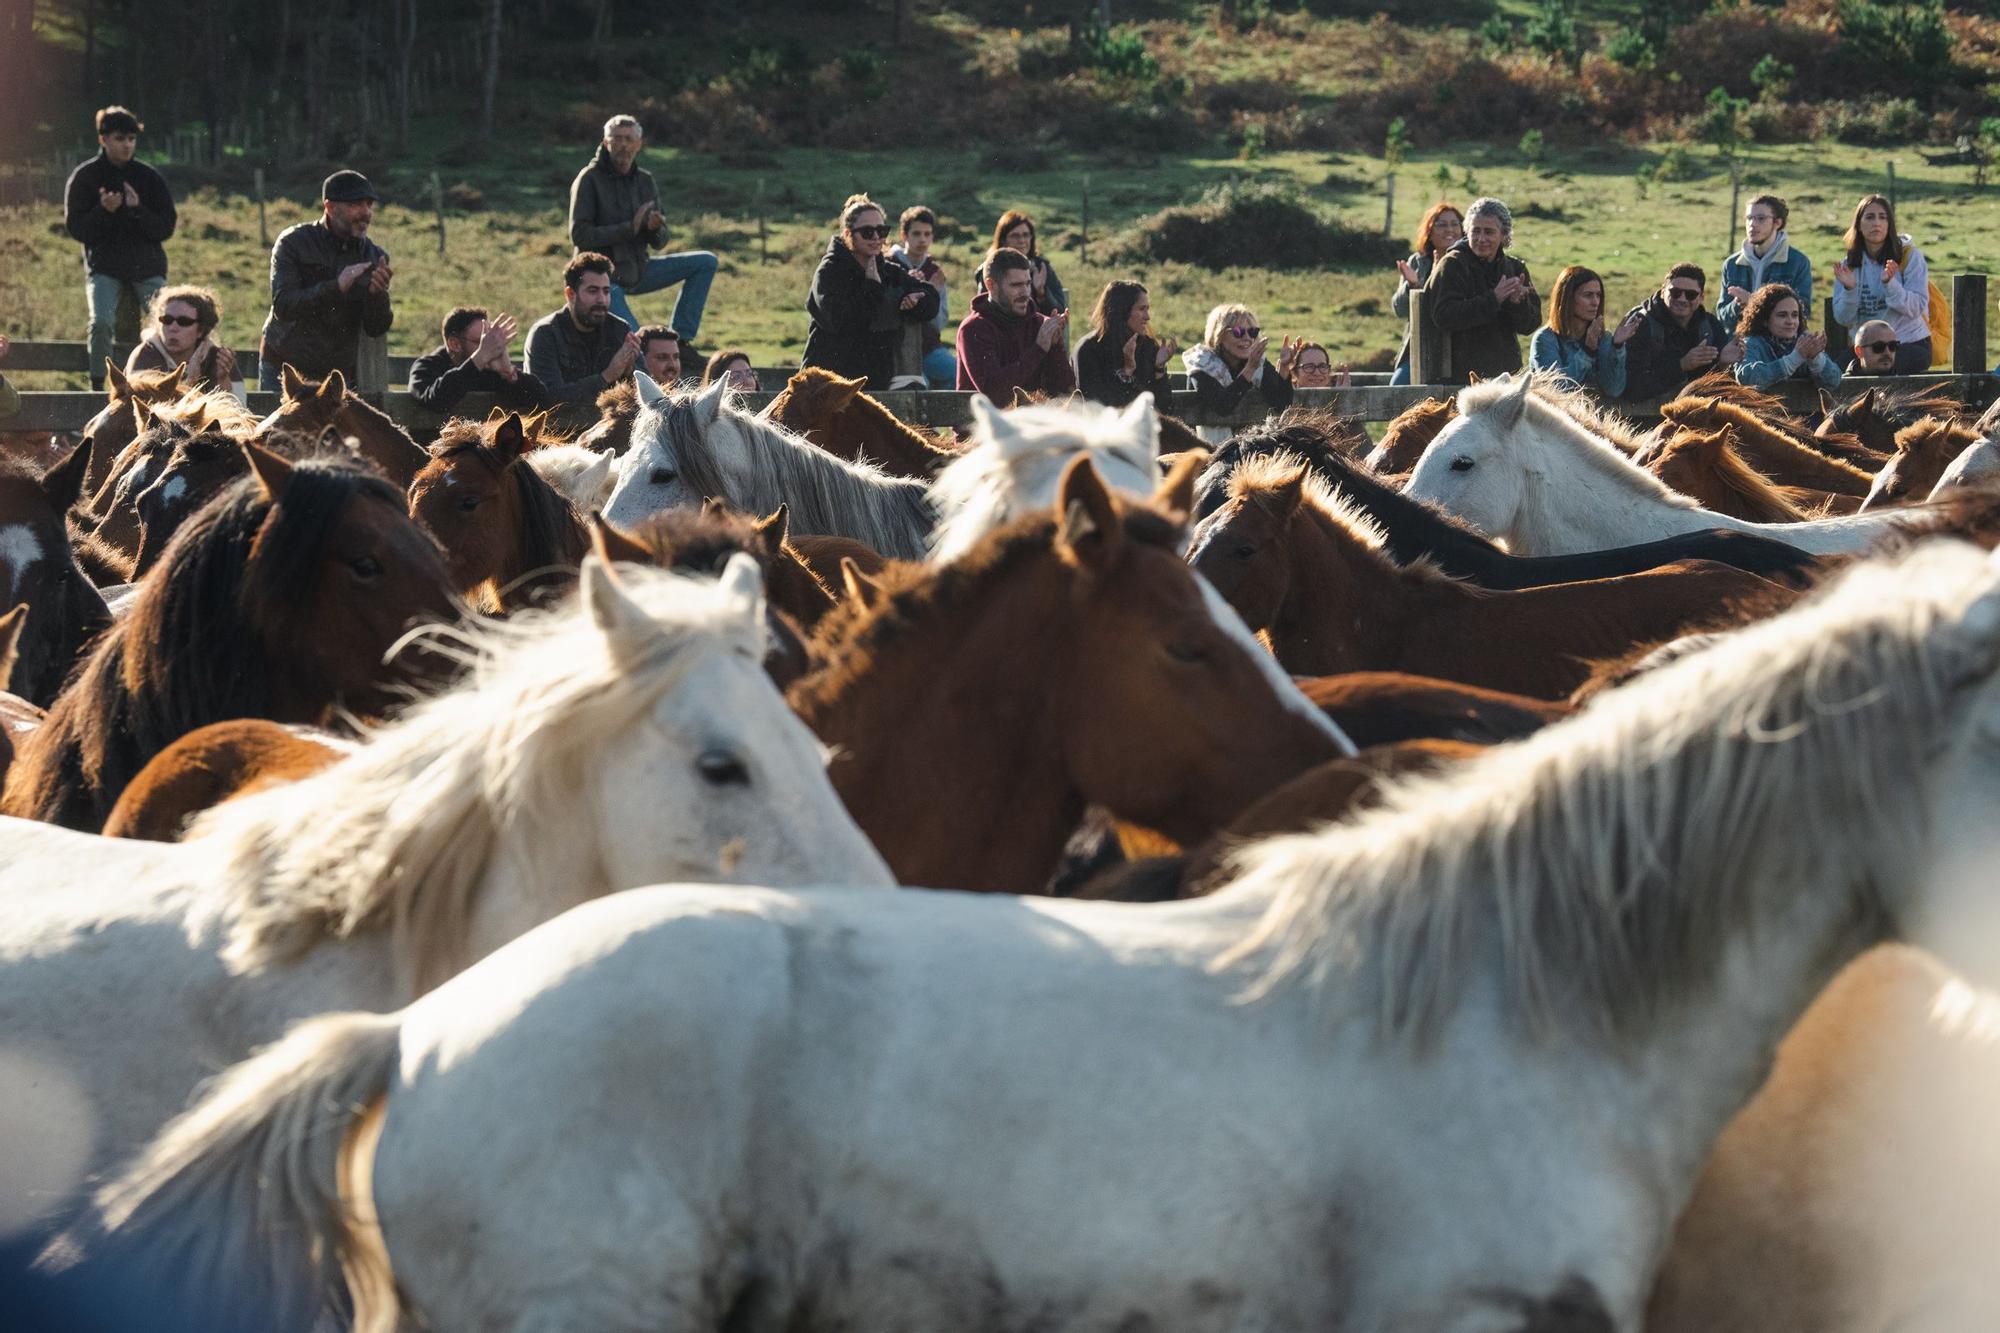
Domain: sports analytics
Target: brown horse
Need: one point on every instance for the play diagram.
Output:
(510, 539)
(1923, 452)
(111, 520)
(38, 568)
(199, 468)
(12, 705)
(1775, 446)
(279, 600)
(308, 409)
(1707, 467)
(1876, 416)
(1404, 442)
(838, 415)
(1388, 707)
(617, 409)
(1069, 659)
(211, 765)
(117, 422)
(1309, 570)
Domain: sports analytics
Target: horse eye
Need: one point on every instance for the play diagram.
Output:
(365, 567)
(722, 769)
(1244, 552)
(662, 476)
(467, 503)
(1461, 464)
(1193, 654)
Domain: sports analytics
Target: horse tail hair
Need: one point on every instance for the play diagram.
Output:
(236, 1205)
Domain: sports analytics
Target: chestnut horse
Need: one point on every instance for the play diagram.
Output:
(1774, 445)
(838, 415)
(1388, 707)
(975, 708)
(617, 409)
(39, 569)
(310, 408)
(279, 600)
(1404, 442)
(1707, 467)
(510, 538)
(1923, 451)
(1301, 564)
(117, 422)
(213, 764)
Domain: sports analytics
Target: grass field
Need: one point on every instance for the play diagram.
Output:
(1582, 206)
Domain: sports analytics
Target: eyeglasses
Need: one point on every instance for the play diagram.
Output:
(180, 321)
(871, 233)
(1890, 345)
(1683, 293)
(1239, 331)
(1315, 367)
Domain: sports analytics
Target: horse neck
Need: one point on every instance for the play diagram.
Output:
(382, 442)
(830, 498)
(1808, 465)
(1338, 588)
(894, 443)
(548, 541)
(1592, 503)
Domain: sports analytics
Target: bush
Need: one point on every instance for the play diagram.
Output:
(1632, 49)
(1907, 42)
(1889, 121)
(1552, 31)
(1676, 164)
(1266, 225)
(1118, 53)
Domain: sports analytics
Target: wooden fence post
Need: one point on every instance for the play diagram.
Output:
(1837, 335)
(263, 228)
(437, 206)
(1968, 324)
(1419, 363)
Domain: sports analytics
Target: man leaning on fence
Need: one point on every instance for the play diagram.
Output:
(329, 285)
(122, 211)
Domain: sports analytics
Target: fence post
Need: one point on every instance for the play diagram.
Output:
(1419, 363)
(437, 206)
(1968, 324)
(263, 228)
(1083, 245)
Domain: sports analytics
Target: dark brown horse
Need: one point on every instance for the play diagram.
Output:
(12, 623)
(975, 708)
(1404, 442)
(39, 569)
(510, 539)
(838, 415)
(308, 409)
(617, 409)
(1310, 571)
(1706, 467)
(111, 520)
(118, 421)
(1775, 445)
(211, 765)
(279, 600)
(1385, 707)
(1876, 415)
(1923, 451)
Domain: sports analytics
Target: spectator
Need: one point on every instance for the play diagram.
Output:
(10, 397)
(474, 359)
(1016, 231)
(1677, 339)
(1119, 359)
(1766, 257)
(1775, 344)
(732, 364)
(329, 285)
(1006, 343)
(180, 332)
(123, 212)
(1573, 341)
(660, 355)
(1312, 368)
(614, 210)
(1480, 299)
(1438, 232)
(1229, 360)
(580, 349)
(1884, 277)
(861, 299)
(939, 366)
(1875, 349)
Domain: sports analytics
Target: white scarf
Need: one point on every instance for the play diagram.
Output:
(1778, 251)
(1201, 359)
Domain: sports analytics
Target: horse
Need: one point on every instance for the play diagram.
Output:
(12, 623)
(1416, 531)
(687, 448)
(1923, 452)
(1707, 467)
(1876, 416)
(213, 764)
(838, 415)
(1309, 571)
(1017, 457)
(1381, 708)
(1410, 434)
(625, 737)
(199, 468)
(510, 539)
(617, 409)
(1973, 466)
(106, 434)
(110, 523)
(1770, 443)
(307, 409)
(1453, 1064)
(1069, 659)
(39, 568)
(1527, 474)
(279, 600)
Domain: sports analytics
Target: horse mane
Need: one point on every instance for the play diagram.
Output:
(200, 409)
(399, 835)
(1605, 859)
(1933, 436)
(1716, 454)
(1596, 451)
(1585, 409)
(1258, 476)
(1410, 434)
(1751, 422)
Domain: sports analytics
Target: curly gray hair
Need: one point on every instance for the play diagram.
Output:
(1492, 208)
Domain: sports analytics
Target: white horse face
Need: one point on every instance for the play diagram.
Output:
(651, 475)
(1470, 470)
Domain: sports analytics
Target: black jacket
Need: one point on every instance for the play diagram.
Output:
(569, 362)
(314, 327)
(128, 244)
(855, 322)
(601, 205)
(1219, 399)
(1483, 332)
(1098, 364)
(439, 382)
(1653, 356)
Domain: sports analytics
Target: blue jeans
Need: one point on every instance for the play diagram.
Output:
(101, 293)
(693, 269)
(941, 367)
(1402, 372)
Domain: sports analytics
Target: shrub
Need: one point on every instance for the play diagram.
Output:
(1552, 31)
(1886, 121)
(1908, 42)
(1268, 225)
(1119, 53)
(1772, 77)
(1632, 49)
(1533, 148)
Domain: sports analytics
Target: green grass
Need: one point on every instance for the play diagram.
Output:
(508, 256)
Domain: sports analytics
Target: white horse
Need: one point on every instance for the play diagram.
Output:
(1450, 1067)
(689, 447)
(630, 736)
(1017, 459)
(1527, 474)
(1974, 465)
(581, 476)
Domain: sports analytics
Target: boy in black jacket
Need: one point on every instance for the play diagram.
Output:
(122, 211)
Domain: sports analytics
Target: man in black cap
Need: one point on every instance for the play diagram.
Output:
(329, 285)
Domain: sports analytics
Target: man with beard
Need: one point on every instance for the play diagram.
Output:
(577, 351)
(329, 285)
(1006, 343)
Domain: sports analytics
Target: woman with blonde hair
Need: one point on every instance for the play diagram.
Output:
(1574, 344)
(1229, 361)
(180, 328)
(861, 298)
(1439, 230)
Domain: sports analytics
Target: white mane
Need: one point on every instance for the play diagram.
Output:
(400, 833)
(1017, 459)
(1602, 859)
(581, 476)
(1592, 448)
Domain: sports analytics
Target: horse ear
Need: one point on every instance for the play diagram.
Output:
(742, 582)
(142, 415)
(1865, 405)
(622, 621)
(715, 505)
(1089, 528)
(291, 384)
(1513, 402)
(271, 471)
(613, 544)
(1285, 494)
(709, 406)
(650, 393)
(172, 383)
(63, 483)
(840, 392)
(509, 440)
(115, 383)
(1827, 403)
(332, 389)
(859, 587)
(11, 625)
(990, 421)
(1176, 492)
(776, 529)
(1143, 422)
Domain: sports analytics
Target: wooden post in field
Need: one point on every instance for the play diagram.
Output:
(1735, 199)
(1419, 365)
(763, 229)
(263, 227)
(1892, 185)
(437, 206)
(1837, 334)
(1389, 206)
(1083, 244)
(1968, 324)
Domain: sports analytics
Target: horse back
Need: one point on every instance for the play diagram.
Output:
(208, 766)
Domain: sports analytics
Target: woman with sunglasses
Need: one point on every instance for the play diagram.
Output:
(1229, 361)
(861, 298)
(1016, 231)
(1480, 300)
(1776, 345)
(1884, 277)
(183, 320)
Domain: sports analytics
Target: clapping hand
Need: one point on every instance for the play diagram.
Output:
(1256, 357)
(1738, 295)
(1700, 357)
(1843, 275)
(1626, 328)
(1041, 278)
(378, 281)
(352, 272)
(493, 342)
(1343, 376)
(1510, 288)
(1052, 329)
(1731, 353)
(131, 195)
(1594, 333)
(1810, 345)
(910, 300)
(111, 200)
(1409, 274)
(1166, 352)
(1287, 350)
(1132, 354)
(1890, 270)
(225, 365)
(623, 359)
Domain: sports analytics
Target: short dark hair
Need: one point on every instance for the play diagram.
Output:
(462, 318)
(1004, 261)
(916, 213)
(653, 333)
(117, 120)
(1775, 204)
(584, 261)
(1687, 271)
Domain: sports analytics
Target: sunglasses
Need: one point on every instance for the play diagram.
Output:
(1891, 345)
(180, 321)
(1239, 331)
(871, 233)
(1683, 293)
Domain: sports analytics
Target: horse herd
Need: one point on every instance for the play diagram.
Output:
(1461, 882)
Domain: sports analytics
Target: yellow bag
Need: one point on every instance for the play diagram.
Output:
(1939, 318)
